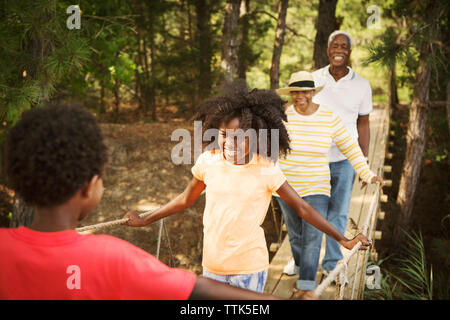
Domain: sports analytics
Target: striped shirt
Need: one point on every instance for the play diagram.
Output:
(306, 166)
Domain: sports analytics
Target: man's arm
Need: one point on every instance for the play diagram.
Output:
(363, 127)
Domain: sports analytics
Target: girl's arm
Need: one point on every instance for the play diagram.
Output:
(179, 203)
(310, 215)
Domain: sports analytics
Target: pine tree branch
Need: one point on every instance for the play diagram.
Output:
(287, 27)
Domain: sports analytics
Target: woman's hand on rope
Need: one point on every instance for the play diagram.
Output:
(135, 219)
(374, 179)
(360, 237)
(377, 179)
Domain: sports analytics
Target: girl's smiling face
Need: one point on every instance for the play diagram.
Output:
(233, 142)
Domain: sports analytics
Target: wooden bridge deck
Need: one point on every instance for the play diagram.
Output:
(281, 284)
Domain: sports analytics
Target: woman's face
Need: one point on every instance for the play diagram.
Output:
(302, 99)
(233, 142)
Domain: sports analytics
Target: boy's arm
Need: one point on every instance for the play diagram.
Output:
(179, 203)
(208, 289)
(307, 212)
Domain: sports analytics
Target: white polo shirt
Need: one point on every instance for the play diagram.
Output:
(349, 97)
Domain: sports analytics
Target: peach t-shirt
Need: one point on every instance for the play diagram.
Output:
(237, 199)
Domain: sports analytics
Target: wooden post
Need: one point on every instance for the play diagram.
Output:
(274, 246)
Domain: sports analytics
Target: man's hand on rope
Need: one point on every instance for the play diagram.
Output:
(360, 237)
(135, 219)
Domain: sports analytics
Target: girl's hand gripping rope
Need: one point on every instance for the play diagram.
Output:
(135, 219)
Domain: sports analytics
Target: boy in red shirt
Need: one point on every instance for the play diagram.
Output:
(55, 161)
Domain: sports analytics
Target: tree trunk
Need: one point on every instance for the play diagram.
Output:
(138, 81)
(392, 90)
(448, 105)
(244, 49)
(229, 40)
(102, 97)
(116, 95)
(278, 45)
(146, 78)
(326, 24)
(22, 214)
(415, 142)
(204, 45)
(152, 76)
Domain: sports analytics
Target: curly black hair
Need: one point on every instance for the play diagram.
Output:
(52, 152)
(256, 109)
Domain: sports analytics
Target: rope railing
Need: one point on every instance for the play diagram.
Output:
(341, 269)
(112, 223)
(123, 221)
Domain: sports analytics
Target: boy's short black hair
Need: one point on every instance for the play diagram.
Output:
(52, 152)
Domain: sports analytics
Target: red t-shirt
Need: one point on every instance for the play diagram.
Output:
(67, 265)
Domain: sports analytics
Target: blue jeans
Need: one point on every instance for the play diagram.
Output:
(342, 178)
(305, 240)
(253, 281)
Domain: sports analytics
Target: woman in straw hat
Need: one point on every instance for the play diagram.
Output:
(312, 129)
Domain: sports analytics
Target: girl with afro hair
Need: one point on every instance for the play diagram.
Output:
(239, 175)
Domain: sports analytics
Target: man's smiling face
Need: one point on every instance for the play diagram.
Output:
(339, 51)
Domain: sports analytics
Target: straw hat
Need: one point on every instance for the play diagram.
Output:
(300, 81)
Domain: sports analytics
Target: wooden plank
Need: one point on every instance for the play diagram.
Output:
(377, 161)
(358, 194)
(284, 288)
(277, 265)
(382, 151)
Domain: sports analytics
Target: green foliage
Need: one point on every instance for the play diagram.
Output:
(411, 278)
(416, 24)
(415, 278)
(139, 49)
(437, 138)
(37, 53)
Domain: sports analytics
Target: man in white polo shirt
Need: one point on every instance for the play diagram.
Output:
(350, 96)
